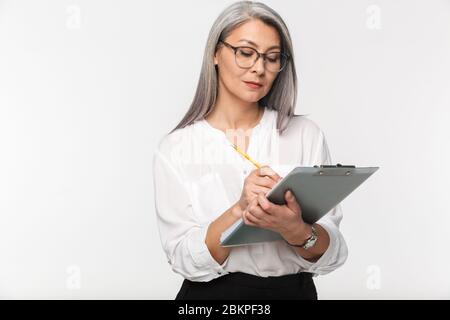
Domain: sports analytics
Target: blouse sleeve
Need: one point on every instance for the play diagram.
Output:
(182, 236)
(337, 252)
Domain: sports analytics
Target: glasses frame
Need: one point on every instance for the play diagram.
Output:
(258, 55)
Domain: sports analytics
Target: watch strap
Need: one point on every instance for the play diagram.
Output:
(311, 241)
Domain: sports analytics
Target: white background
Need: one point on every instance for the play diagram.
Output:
(87, 88)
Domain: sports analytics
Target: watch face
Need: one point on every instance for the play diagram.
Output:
(310, 243)
(312, 240)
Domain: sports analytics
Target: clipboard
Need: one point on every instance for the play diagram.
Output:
(318, 190)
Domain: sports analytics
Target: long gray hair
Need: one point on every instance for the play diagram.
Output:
(283, 94)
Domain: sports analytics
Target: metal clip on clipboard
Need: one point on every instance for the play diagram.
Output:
(333, 172)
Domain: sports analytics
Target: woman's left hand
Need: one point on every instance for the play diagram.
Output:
(283, 219)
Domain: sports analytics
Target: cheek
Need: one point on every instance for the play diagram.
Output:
(269, 85)
(231, 76)
(231, 71)
(270, 82)
(267, 88)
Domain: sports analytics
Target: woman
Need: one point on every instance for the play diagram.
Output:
(246, 96)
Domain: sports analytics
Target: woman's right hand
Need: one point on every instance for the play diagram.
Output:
(259, 180)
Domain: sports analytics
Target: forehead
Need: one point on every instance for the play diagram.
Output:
(263, 35)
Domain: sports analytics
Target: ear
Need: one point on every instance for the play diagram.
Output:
(216, 53)
(215, 59)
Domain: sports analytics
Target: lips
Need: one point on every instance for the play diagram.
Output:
(255, 84)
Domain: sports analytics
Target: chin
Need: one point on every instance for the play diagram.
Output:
(253, 99)
(249, 97)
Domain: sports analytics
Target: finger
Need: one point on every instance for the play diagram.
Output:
(269, 207)
(291, 202)
(264, 172)
(252, 219)
(257, 190)
(264, 181)
(246, 221)
(268, 171)
(258, 212)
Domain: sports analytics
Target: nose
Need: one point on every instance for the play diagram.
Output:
(259, 66)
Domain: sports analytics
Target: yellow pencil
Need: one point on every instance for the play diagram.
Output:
(246, 156)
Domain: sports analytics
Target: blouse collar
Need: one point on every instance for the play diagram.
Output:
(256, 128)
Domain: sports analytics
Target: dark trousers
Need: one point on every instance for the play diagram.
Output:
(239, 285)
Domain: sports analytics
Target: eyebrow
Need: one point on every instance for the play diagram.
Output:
(254, 44)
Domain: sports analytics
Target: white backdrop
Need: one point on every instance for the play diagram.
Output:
(87, 88)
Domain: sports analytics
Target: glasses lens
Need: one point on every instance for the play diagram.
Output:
(245, 57)
(273, 61)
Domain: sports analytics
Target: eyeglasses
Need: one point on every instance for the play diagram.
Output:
(246, 58)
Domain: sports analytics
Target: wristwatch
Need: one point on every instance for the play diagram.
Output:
(311, 241)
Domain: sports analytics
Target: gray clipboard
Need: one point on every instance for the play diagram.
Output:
(318, 190)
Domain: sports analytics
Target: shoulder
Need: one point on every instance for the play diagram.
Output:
(172, 141)
(303, 127)
(180, 143)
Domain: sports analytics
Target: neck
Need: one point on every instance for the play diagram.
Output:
(230, 112)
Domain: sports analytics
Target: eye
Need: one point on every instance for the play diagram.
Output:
(246, 52)
(273, 57)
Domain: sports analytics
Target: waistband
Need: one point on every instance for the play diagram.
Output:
(250, 280)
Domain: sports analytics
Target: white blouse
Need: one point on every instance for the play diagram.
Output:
(198, 176)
